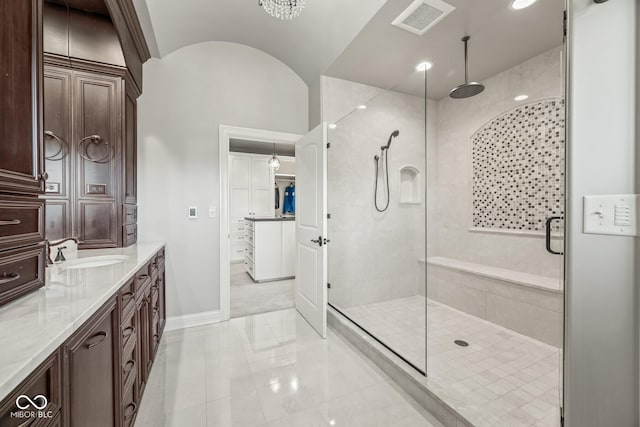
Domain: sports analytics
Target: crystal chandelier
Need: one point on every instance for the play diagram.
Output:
(282, 9)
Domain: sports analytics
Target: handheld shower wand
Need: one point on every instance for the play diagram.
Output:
(384, 157)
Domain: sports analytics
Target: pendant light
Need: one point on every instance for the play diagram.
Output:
(274, 162)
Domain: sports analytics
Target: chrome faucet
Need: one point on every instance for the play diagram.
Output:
(60, 256)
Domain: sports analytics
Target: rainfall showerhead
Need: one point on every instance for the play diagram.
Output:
(394, 134)
(467, 89)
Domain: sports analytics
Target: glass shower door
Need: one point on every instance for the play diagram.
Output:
(376, 203)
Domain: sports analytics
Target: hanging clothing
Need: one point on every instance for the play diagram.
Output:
(289, 205)
(277, 197)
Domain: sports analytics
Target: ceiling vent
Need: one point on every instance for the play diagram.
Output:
(421, 15)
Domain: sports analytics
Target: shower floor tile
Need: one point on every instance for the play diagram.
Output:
(502, 378)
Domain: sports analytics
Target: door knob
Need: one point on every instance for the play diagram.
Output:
(319, 241)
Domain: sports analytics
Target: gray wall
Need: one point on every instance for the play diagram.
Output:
(601, 370)
(187, 95)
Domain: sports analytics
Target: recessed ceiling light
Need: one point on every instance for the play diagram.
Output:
(521, 4)
(332, 125)
(521, 97)
(424, 66)
(362, 107)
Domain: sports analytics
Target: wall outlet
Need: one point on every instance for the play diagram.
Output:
(213, 211)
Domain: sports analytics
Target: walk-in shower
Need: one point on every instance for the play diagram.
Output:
(467, 293)
(383, 158)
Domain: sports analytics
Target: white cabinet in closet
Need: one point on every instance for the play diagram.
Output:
(270, 249)
(251, 193)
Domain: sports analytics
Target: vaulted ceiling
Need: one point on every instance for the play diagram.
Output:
(308, 44)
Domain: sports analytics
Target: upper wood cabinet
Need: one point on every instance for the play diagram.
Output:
(21, 96)
(129, 175)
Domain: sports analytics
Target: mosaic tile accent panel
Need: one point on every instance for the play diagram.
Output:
(518, 168)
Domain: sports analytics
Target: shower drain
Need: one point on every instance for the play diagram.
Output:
(461, 343)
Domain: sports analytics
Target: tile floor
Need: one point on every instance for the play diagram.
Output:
(501, 379)
(249, 297)
(270, 370)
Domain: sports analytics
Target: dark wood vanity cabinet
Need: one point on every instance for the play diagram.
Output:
(97, 377)
(21, 96)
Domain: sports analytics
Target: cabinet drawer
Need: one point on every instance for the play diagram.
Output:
(127, 297)
(129, 234)
(238, 251)
(249, 267)
(21, 271)
(238, 238)
(249, 252)
(129, 214)
(249, 225)
(161, 258)
(128, 334)
(142, 279)
(21, 221)
(155, 298)
(238, 228)
(45, 381)
(130, 404)
(129, 370)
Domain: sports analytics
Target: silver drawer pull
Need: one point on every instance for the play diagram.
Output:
(10, 222)
(8, 278)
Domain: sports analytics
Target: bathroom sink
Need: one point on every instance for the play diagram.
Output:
(91, 262)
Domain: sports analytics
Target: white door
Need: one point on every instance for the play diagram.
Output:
(311, 228)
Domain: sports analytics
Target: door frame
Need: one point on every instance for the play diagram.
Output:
(225, 134)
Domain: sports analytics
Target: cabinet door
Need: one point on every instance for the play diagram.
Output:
(97, 145)
(129, 178)
(57, 151)
(239, 187)
(90, 370)
(97, 134)
(262, 192)
(96, 223)
(21, 87)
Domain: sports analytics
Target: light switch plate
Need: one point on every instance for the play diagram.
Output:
(213, 211)
(193, 212)
(612, 214)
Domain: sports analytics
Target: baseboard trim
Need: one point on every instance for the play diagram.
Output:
(191, 320)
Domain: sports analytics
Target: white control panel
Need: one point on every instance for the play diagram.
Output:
(615, 214)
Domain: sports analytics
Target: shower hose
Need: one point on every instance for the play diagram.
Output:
(385, 158)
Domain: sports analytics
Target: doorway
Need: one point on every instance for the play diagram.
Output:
(257, 221)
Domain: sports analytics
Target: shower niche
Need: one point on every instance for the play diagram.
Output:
(409, 185)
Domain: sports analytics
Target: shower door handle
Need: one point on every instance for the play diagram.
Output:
(319, 241)
(547, 234)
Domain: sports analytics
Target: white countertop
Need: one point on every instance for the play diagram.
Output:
(33, 326)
